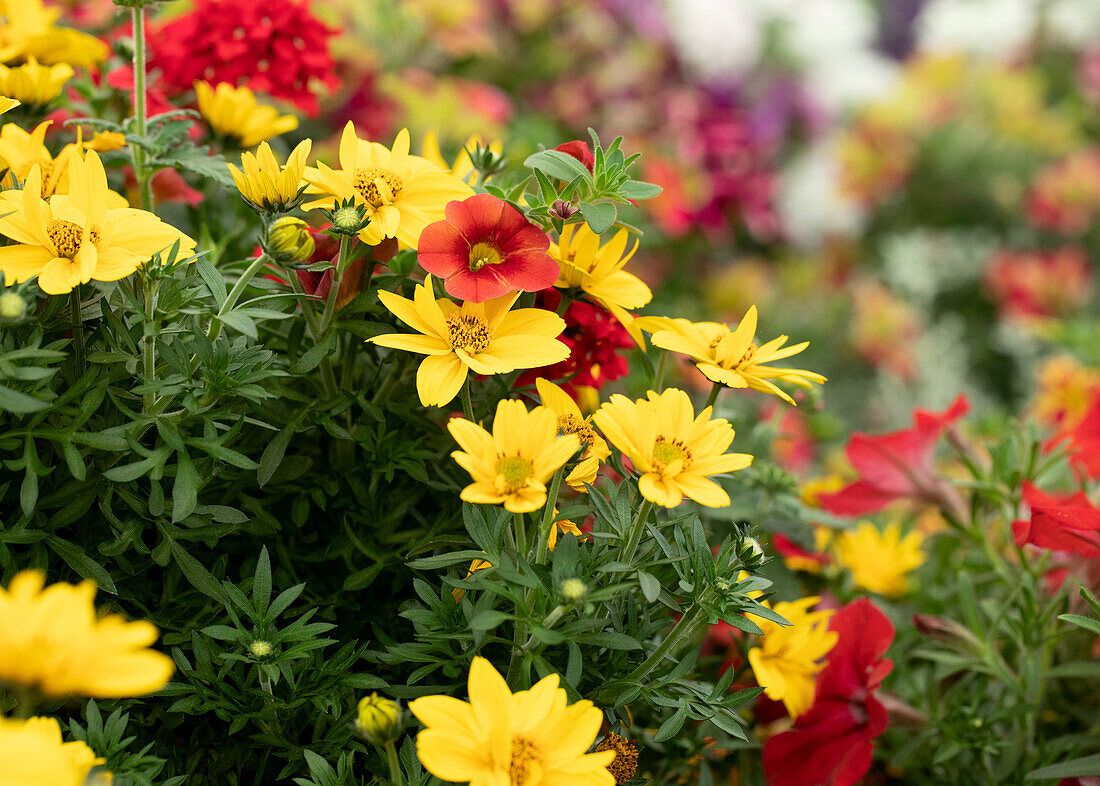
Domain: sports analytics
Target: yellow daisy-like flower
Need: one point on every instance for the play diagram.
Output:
(486, 338)
(790, 656)
(530, 738)
(463, 165)
(19, 151)
(76, 237)
(265, 184)
(598, 271)
(105, 141)
(511, 465)
(34, 754)
(53, 641)
(402, 193)
(7, 104)
(234, 112)
(673, 450)
(34, 84)
(729, 357)
(880, 562)
(572, 421)
(29, 31)
(563, 527)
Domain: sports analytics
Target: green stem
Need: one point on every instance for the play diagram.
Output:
(78, 331)
(396, 777)
(467, 401)
(659, 375)
(149, 342)
(137, 151)
(25, 701)
(683, 631)
(634, 537)
(328, 376)
(715, 389)
(235, 293)
(342, 262)
(548, 517)
(522, 545)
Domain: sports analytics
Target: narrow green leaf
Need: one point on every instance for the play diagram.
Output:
(185, 488)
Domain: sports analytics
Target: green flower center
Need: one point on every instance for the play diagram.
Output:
(666, 451)
(377, 186)
(468, 332)
(515, 471)
(526, 762)
(482, 254)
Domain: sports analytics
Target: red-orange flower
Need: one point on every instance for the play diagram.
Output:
(1069, 523)
(485, 248)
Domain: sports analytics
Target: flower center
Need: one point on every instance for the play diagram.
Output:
(377, 186)
(571, 424)
(747, 357)
(526, 764)
(666, 451)
(46, 167)
(513, 472)
(66, 237)
(482, 254)
(468, 332)
(625, 763)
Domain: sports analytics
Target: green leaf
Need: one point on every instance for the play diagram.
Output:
(261, 582)
(1086, 766)
(195, 573)
(185, 489)
(599, 215)
(19, 403)
(1081, 622)
(273, 454)
(212, 277)
(487, 619)
(77, 559)
(313, 357)
(195, 159)
(558, 164)
(651, 588)
(672, 725)
(637, 189)
(28, 491)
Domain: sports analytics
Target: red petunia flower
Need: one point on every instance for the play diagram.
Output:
(485, 248)
(831, 744)
(580, 151)
(1083, 440)
(897, 466)
(276, 47)
(1060, 523)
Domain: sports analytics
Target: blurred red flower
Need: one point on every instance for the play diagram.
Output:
(1060, 523)
(897, 465)
(1083, 440)
(1039, 283)
(486, 248)
(580, 151)
(831, 744)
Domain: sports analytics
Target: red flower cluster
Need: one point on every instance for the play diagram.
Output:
(595, 339)
(486, 248)
(897, 465)
(276, 47)
(1039, 283)
(1083, 440)
(1065, 196)
(1060, 523)
(831, 744)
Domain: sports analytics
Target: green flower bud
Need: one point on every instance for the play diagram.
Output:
(380, 719)
(347, 217)
(259, 649)
(12, 307)
(573, 590)
(750, 552)
(288, 240)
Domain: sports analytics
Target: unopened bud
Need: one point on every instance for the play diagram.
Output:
(573, 590)
(260, 649)
(946, 630)
(379, 720)
(486, 161)
(12, 307)
(348, 218)
(750, 552)
(562, 209)
(288, 240)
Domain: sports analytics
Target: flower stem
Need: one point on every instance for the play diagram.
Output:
(715, 389)
(659, 374)
(234, 294)
(137, 151)
(548, 517)
(396, 777)
(467, 402)
(328, 376)
(78, 331)
(634, 537)
(683, 631)
(342, 262)
(522, 545)
(149, 342)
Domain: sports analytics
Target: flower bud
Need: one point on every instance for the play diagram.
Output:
(562, 209)
(486, 161)
(12, 307)
(573, 590)
(947, 631)
(260, 649)
(380, 719)
(750, 552)
(288, 240)
(347, 217)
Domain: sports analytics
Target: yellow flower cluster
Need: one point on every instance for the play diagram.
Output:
(234, 113)
(27, 30)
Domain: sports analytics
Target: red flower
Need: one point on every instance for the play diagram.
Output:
(580, 151)
(276, 47)
(485, 248)
(1083, 440)
(788, 549)
(831, 744)
(896, 465)
(595, 339)
(1039, 283)
(1067, 523)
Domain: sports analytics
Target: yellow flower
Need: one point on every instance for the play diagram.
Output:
(29, 30)
(7, 104)
(790, 656)
(880, 562)
(486, 338)
(34, 754)
(379, 719)
(530, 738)
(19, 151)
(571, 421)
(265, 184)
(75, 237)
(598, 270)
(463, 165)
(823, 536)
(812, 489)
(105, 141)
(51, 640)
(511, 465)
(673, 450)
(402, 193)
(233, 112)
(730, 357)
(562, 527)
(33, 83)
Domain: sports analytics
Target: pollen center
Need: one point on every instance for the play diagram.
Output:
(571, 424)
(526, 763)
(666, 451)
(482, 254)
(46, 167)
(747, 357)
(625, 763)
(468, 332)
(513, 472)
(377, 186)
(66, 237)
